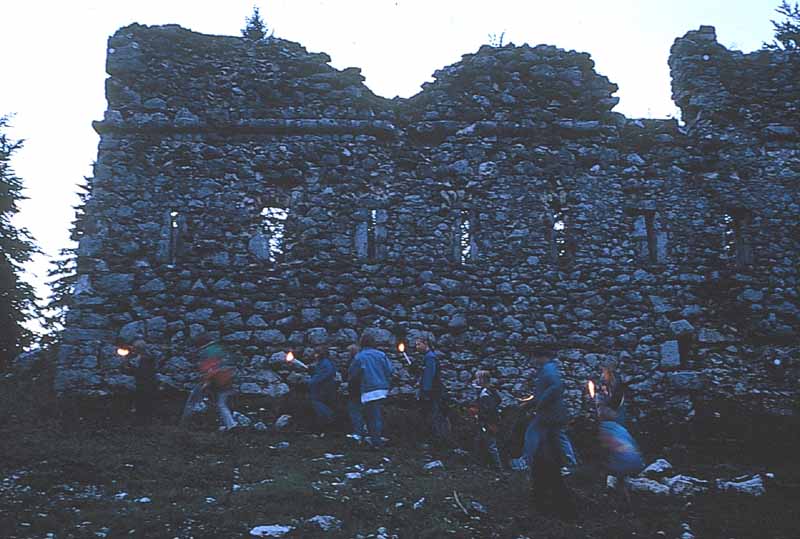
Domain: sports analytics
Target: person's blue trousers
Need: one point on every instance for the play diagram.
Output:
(356, 417)
(374, 416)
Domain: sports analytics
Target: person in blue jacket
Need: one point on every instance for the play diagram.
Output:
(551, 414)
(431, 391)
(543, 452)
(375, 371)
(550, 410)
(322, 387)
(354, 408)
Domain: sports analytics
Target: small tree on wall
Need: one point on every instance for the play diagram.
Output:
(787, 31)
(254, 29)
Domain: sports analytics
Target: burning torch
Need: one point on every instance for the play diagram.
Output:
(291, 360)
(592, 393)
(123, 351)
(402, 348)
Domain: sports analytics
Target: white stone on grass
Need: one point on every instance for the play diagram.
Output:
(272, 530)
(754, 486)
(325, 522)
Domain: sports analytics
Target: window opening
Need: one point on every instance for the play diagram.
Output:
(273, 220)
(173, 237)
(465, 237)
(652, 239)
(372, 222)
(729, 235)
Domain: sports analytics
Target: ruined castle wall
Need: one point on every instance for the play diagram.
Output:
(204, 132)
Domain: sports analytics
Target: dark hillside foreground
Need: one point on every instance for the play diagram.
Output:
(83, 470)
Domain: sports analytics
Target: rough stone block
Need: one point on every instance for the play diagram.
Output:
(670, 355)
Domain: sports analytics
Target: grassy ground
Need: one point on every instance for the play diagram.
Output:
(82, 476)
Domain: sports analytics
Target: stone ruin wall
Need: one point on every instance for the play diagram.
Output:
(202, 132)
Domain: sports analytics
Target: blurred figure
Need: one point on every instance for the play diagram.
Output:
(354, 408)
(375, 371)
(550, 413)
(322, 387)
(543, 451)
(623, 457)
(215, 379)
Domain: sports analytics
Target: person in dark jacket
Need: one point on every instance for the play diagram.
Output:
(431, 391)
(322, 387)
(375, 371)
(486, 409)
(144, 366)
(354, 409)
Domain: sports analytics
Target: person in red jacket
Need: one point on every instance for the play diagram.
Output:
(216, 379)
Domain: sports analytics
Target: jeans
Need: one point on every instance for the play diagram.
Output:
(567, 451)
(486, 443)
(323, 412)
(356, 417)
(533, 437)
(225, 414)
(373, 412)
(435, 418)
(221, 400)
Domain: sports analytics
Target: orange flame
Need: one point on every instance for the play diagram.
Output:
(289, 356)
(401, 347)
(591, 388)
(123, 352)
(526, 399)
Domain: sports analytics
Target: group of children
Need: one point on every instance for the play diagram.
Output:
(546, 445)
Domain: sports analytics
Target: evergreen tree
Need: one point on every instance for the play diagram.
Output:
(255, 29)
(17, 298)
(787, 31)
(63, 274)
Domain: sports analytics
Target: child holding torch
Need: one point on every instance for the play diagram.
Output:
(431, 391)
(142, 364)
(322, 387)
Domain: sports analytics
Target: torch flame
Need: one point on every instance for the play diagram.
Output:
(591, 388)
(122, 352)
(401, 347)
(526, 399)
(289, 356)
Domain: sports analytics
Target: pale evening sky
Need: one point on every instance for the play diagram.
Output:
(54, 61)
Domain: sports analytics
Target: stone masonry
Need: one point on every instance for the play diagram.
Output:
(251, 191)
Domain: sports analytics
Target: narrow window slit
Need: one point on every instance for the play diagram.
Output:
(729, 235)
(372, 222)
(465, 237)
(273, 219)
(174, 229)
